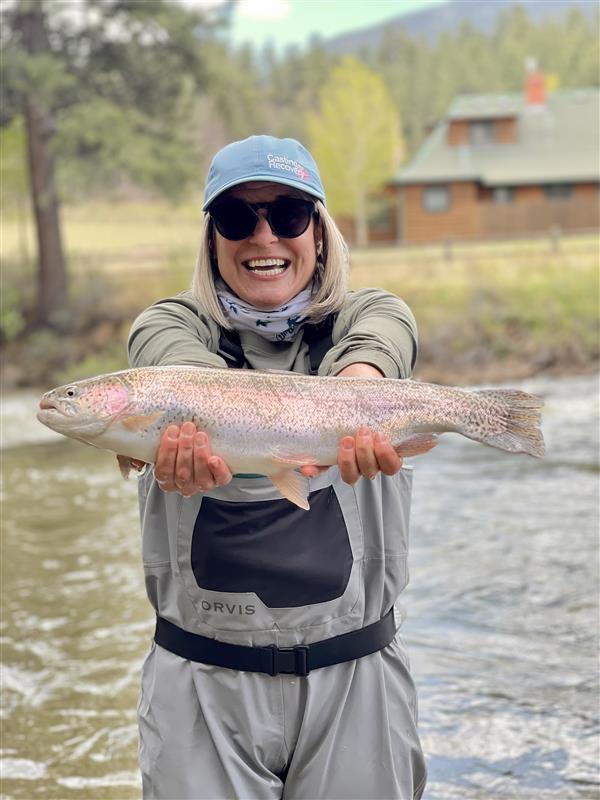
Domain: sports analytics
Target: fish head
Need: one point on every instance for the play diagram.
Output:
(84, 409)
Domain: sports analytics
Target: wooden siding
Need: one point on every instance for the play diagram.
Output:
(578, 213)
(472, 214)
(460, 221)
(458, 132)
(504, 131)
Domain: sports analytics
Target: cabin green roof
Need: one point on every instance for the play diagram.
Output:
(555, 144)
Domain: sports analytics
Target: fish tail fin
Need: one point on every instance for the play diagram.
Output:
(508, 419)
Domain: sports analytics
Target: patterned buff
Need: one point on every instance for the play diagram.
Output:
(276, 325)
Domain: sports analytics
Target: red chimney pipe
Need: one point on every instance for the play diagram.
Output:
(535, 86)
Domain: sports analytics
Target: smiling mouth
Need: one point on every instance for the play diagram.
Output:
(269, 267)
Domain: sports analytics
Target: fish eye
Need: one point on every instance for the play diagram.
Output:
(70, 392)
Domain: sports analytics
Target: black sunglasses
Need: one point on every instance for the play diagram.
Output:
(288, 217)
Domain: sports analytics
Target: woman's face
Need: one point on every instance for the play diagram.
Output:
(264, 270)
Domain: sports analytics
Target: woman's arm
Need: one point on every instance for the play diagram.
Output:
(172, 331)
(374, 328)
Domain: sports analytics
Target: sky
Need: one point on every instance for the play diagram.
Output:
(286, 22)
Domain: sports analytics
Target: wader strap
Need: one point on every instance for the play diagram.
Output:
(317, 336)
(231, 349)
(298, 660)
(319, 340)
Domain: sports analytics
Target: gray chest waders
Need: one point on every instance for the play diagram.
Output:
(276, 671)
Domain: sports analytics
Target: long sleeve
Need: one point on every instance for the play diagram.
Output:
(173, 331)
(374, 327)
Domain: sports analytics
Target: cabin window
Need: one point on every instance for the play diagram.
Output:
(481, 132)
(503, 194)
(558, 191)
(436, 199)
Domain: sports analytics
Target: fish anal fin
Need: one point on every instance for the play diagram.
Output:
(292, 486)
(416, 444)
(137, 422)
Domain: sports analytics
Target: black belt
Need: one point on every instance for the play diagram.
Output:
(298, 660)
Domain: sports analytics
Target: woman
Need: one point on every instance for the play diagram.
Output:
(275, 670)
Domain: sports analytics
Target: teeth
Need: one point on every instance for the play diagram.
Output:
(265, 262)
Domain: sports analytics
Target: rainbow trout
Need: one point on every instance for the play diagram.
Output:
(272, 423)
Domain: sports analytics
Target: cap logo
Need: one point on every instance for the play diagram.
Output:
(288, 165)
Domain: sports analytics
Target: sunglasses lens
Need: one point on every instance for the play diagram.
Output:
(234, 219)
(289, 216)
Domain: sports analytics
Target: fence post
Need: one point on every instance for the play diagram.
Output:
(555, 233)
(448, 255)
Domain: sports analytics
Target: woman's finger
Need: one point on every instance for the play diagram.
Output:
(164, 469)
(388, 460)
(347, 460)
(209, 470)
(184, 464)
(219, 470)
(203, 477)
(365, 455)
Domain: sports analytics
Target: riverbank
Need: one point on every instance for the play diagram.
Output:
(487, 312)
(447, 355)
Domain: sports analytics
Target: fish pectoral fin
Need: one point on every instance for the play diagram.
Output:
(293, 486)
(416, 444)
(124, 465)
(137, 422)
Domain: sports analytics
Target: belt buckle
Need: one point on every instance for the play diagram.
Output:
(288, 660)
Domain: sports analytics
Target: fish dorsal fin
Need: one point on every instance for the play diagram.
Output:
(293, 486)
(416, 444)
(137, 422)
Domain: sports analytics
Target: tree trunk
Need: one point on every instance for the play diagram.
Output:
(52, 276)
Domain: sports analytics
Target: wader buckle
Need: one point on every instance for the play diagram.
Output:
(287, 660)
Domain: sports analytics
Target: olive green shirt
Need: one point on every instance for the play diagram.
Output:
(373, 327)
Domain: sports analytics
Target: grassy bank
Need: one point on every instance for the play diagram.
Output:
(485, 311)
(496, 311)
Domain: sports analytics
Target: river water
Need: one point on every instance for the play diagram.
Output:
(502, 610)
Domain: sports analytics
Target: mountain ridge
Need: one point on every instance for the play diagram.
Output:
(430, 23)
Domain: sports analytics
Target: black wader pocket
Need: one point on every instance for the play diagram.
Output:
(286, 556)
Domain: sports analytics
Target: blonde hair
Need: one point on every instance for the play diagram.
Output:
(331, 272)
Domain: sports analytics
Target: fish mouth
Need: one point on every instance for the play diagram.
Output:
(67, 423)
(48, 404)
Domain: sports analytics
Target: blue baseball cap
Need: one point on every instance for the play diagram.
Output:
(263, 158)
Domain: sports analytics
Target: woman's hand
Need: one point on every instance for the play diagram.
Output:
(363, 455)
(185, 462)
(366, 453)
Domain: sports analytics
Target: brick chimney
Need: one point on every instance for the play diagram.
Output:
(535, 85)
